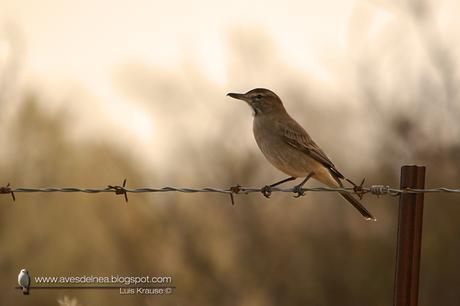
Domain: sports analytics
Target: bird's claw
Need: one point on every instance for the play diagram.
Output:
(299, 192)
(266, 191)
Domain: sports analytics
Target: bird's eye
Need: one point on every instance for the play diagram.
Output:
(258, 97)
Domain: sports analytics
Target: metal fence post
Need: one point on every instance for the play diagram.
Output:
(409, 237)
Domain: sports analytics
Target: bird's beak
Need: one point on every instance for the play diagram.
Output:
(238, 96)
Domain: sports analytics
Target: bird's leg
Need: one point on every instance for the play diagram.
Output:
(298, 188)
(267, 189)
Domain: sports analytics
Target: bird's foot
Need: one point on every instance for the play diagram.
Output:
(298, 190)
(266, 191)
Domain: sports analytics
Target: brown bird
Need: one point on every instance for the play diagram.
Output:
(288, 147)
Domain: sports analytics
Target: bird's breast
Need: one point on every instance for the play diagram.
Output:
(277, 151)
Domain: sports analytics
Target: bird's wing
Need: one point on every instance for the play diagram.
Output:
(295, 136)
(23, 279)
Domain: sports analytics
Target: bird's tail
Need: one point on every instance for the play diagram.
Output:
(25, 290)
(334, 181)
(366, 214)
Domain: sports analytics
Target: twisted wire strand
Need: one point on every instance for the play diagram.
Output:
(373, 189)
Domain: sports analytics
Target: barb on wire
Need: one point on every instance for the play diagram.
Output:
(358, 190)
(234, 190)
(7, 190)
(119, 190)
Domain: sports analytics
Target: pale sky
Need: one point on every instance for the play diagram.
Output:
(73, 48)
(72, 37)
(80, 43)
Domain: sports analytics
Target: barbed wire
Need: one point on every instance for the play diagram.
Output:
(360, 190)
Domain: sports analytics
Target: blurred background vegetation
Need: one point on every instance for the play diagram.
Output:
(394, 101)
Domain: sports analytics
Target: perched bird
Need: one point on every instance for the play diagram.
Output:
(288, 147)
(24, 281)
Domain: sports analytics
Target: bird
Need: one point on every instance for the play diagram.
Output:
(289, 148)
(24, 281)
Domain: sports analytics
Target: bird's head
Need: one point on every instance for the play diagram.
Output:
(261, 100)
(24, 271)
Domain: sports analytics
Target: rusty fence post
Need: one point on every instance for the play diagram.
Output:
(409, 237)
